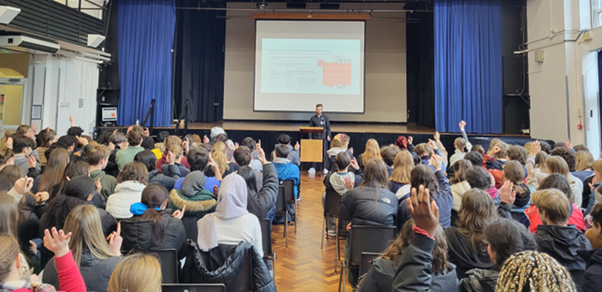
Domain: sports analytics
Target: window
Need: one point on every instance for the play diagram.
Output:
(90, 7)
(596, 13)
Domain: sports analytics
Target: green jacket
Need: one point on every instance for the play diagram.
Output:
(127, 155)
(108, 182)
(202, 203)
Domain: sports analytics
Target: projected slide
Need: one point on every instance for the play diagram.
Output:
(310, 66)
(299, 64)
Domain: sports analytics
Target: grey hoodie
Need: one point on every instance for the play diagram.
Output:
(336, 181)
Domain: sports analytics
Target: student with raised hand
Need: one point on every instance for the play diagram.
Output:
(55, 241)
(505, 237)
(95, 257)
(462, 146)
(555, 237)
(261, 200)
(138, 272)
(439, 189)
(166, 178)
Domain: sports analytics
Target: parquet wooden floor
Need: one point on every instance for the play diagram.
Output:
(303, 266)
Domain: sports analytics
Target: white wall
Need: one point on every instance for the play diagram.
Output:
(385, 67)
(58, 85)
(564, 88)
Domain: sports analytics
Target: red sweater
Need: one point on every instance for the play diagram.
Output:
(164, 160)
(534, 220)
(69, 276)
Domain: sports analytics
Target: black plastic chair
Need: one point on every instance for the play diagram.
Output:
(286, 196)
(193, 288)
(170, 266)
(364, 238)
(366, 259)
(266, 241)
(332, 205)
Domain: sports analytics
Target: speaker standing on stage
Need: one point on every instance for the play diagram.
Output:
(321, 120)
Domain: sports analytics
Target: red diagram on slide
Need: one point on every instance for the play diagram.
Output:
(335, 74)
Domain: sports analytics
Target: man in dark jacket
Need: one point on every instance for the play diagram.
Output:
(593, 274)
(321, 120)
(557, 239)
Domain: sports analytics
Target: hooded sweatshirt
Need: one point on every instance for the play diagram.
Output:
(593, 281)
(380, 278)
(336, 181)
(462, 254)
(108, 182)
(562, 243)
(126, 194)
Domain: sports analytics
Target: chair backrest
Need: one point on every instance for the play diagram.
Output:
(266, 236)
(365, 238)
(289, 191)
(280, 200)
(332, 203)
(193, 288)
(169, 264)
(366, 261)
(244, 279)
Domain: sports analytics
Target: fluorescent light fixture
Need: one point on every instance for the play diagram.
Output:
(8, 13)
(94, 40)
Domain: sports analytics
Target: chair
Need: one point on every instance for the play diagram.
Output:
(362, 239)
(286, 195)
(169, 264)
(193, 288)
(266, 240)
(332, 204)
(366, 259)
(244, 280)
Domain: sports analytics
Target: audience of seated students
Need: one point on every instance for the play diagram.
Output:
(294, 155)
(130, 183)
(380, 276)
(583, 168)
(97, 156)
(439, 188)
(461, 145)
(504, 238)
(261, 201)
(171, 172)
(95, 257)
(176, 150)
(134, 138)
(466, 242)
(54, 173)
(117, 142)
(388, 154)
(399, 182)
(555, 237)
(369, 204)
(137, 272)
(556, 164)
(152, 226)
(231, 223)
(372, 151)
(459, 185)
(340, 181)
(515, 173)
(593, 258)
(22, 149)
(219, 155)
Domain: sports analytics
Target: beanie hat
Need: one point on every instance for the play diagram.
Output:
(79, 187)
(216, 131)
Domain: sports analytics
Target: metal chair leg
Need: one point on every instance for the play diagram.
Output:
(344, 272)
(323, 235)
(340, 279)
(336, 251)
(274, 266)
(286, 227)
(296, 217)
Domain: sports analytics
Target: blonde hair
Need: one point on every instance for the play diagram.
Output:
(555, 203)
(136, 273)
(9, 249)
(219, 155)
(176, 149)
(535, 272)
(372, 151)
(402, 167)
(86, 233)
(597, 165)
(171, 140)
(557, 164)
(584, 160)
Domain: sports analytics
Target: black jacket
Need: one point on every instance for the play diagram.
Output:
(112, 168)
(562, 243)
(380, 278)
(167, 180)
(478, 280)
(414, 270)
(362, 207)
(138, 234)
(222, 264)
(96, 272)
(462, 254)
(321, 121)
(260, 203)
(593, 279)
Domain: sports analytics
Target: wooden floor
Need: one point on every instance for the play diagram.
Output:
(303, 266)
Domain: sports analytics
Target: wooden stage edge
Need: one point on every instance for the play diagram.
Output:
(346, 127)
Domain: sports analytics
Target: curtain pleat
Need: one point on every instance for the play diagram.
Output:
(146, 33)
(468, 65)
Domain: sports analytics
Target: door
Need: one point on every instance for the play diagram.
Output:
(12, 92)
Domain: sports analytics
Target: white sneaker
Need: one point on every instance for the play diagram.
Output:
(325, 171)
(311, 170)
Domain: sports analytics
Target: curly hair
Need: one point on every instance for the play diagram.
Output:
(534, 271)
(219, 155)
(568, 155)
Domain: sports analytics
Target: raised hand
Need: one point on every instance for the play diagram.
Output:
(171, 158)
(82, 141)
(98, 185)
(215, 190)
(57, 242)
(34, 128)
(348, 183)
(236, 145)
(462, 125)
(436, 161)
(424, 211)
(41, 197)
(410, 139)
(178, 214)
(258, 145)
(507, 193)
(297, 146)
(433, 144)
(32, 161)
(185, 144)
(72, 120)
(206, 139)
(351, 150)
(261, 155)
(535, 148)
(354, 164)
(115, 240)
(568, 144)
(23, 185)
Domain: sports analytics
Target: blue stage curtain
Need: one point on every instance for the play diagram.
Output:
(468, 65)
(146, 33)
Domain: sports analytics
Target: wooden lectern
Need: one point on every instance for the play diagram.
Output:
(312, 149)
